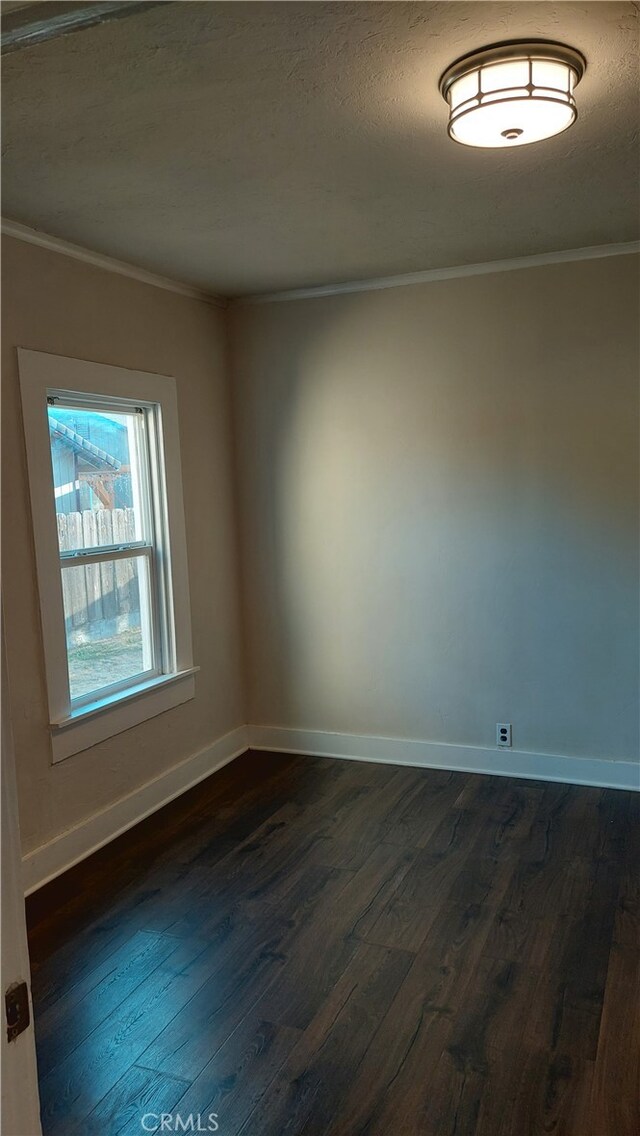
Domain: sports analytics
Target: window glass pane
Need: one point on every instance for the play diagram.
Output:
(108, 624)
(98, 476)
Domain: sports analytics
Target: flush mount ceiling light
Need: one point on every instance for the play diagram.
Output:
(512, 94)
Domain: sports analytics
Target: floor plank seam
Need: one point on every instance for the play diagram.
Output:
(163, 1072)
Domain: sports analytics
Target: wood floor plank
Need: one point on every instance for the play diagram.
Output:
(232, 1084)
(71, 1019)
(286, 879)
(82, 1078)
(307, 1094)
(249, 961)
(436, 877)
(321, 951)
(426, 801)
(615, 1096)
(122, 1110)
(534, 1096)
(366, 823)
(78, 984)
(567, 824)
(570, 997)
(396, 1077)
(539, 898)
(185, 1047)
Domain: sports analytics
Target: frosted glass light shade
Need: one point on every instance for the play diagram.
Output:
(512, 94)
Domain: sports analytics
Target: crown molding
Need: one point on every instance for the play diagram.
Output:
(108, 263)
(538, 260)
(429, 275)
(31, 24)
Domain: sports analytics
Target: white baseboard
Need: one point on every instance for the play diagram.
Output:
(440, 755)
(50, 860)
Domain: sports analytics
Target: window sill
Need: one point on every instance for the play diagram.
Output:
(96, 721)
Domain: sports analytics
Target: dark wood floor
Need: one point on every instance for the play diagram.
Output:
(313, 946)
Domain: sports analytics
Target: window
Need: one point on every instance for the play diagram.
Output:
(106, 495)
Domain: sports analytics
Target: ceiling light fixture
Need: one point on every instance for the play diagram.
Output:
(512, 94)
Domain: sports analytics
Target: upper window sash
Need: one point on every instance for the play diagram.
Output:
(132, 465)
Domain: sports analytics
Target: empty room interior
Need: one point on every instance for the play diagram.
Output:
(320, 590)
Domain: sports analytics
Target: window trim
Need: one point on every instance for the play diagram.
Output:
(78, 728)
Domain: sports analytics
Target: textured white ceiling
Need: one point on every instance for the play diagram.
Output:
(248, 147)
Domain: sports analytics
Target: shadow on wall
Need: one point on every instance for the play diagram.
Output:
(441, 506)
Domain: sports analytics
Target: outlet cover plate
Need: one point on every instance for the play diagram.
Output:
(503, 735)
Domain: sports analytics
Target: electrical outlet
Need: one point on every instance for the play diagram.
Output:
(503, 734)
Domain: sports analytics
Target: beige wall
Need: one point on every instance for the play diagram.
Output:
(53, 303)
(439, 489)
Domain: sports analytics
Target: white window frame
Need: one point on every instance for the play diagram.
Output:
(87, 722)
